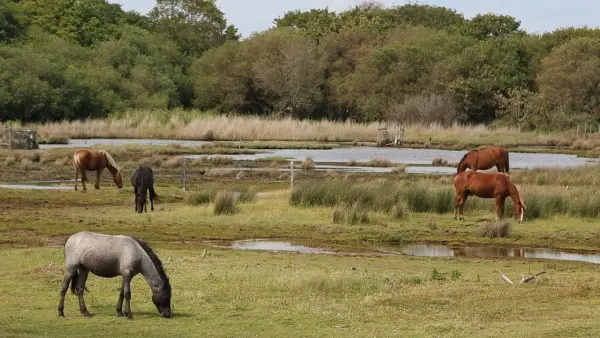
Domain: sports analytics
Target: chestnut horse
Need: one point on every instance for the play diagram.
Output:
(484, 159)
(95, 160)
(491, 185)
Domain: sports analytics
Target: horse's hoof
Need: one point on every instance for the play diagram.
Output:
(120, 314)
(87, 314)
(130, 317)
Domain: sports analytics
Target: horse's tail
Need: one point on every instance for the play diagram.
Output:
(74, 281)
(111, 160)
(507, 163)
(153, 195)
(76, 161)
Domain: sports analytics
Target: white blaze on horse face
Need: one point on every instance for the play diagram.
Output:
(522, 214)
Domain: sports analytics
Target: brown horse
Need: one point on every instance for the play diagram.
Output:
(95, 160)
(485, 159)
(492, 185)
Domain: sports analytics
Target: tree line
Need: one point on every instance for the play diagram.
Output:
(74, 59)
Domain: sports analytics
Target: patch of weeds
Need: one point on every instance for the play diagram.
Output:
(437, 275)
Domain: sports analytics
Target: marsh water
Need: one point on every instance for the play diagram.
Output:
(433, 250)
(342, 155)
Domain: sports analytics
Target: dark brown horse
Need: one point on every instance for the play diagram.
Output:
(142, 181)
(95, 160)
(485, 159)
(492, 185)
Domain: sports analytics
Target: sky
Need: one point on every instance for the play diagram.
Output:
(536, 16)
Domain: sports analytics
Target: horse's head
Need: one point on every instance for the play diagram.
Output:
(162, 300)
(118, 179)
(520, 207)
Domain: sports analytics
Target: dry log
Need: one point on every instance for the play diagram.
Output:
(504, 277)
(527, 279)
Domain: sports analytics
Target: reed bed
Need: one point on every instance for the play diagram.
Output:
(194, 125)
(587, 175)
(428, 196)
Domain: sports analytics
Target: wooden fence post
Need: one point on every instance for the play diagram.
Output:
(184, 173)
(292, 175)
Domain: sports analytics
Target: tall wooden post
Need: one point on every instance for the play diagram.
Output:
(184, 173)
(292, 175)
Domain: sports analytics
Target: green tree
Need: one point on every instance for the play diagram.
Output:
(484, 26)
(570, 78)
(287, 68)
(11, 21)
(194, 25)
(484, 69)
(414, 14)
(316, 23)
(83, 21)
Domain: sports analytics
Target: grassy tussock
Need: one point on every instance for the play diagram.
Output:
(308, 164)
(225, 203)
(196, 198)
(207, 196)
(379, 162)
(351, 215)
(499, 229)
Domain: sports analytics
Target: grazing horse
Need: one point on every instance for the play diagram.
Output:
(492, 185)
(95, 160)
(142, 180)
(485, 159)
(111, 256)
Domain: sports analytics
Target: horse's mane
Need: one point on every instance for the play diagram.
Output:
(464, 157)
(520, 195)
(155, 260)
(111, 161)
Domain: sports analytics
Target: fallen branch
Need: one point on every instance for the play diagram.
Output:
(504, 277)
(203, 253)
(527, 279)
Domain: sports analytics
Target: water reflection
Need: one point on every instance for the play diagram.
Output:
(426, 250)
(432, 250)
(265, 245)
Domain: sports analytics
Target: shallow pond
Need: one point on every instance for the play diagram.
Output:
(408, 156)
(431, 250)
(344, 155)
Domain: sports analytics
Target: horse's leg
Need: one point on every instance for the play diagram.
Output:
(98, 172)
(76, 174)
(462, 205)
(135, 201)
(83, 179)
(152, 194)
(127, 295)
(120, 303)
(499, 208)
(502, 209)
(63, 290)
(80, 287)
(456, 203)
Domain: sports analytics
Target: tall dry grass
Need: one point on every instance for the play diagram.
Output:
(203, 126)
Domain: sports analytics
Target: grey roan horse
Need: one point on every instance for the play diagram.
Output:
(110, 256)
(142, 180)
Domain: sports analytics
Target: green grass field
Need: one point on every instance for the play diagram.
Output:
(357, 292)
